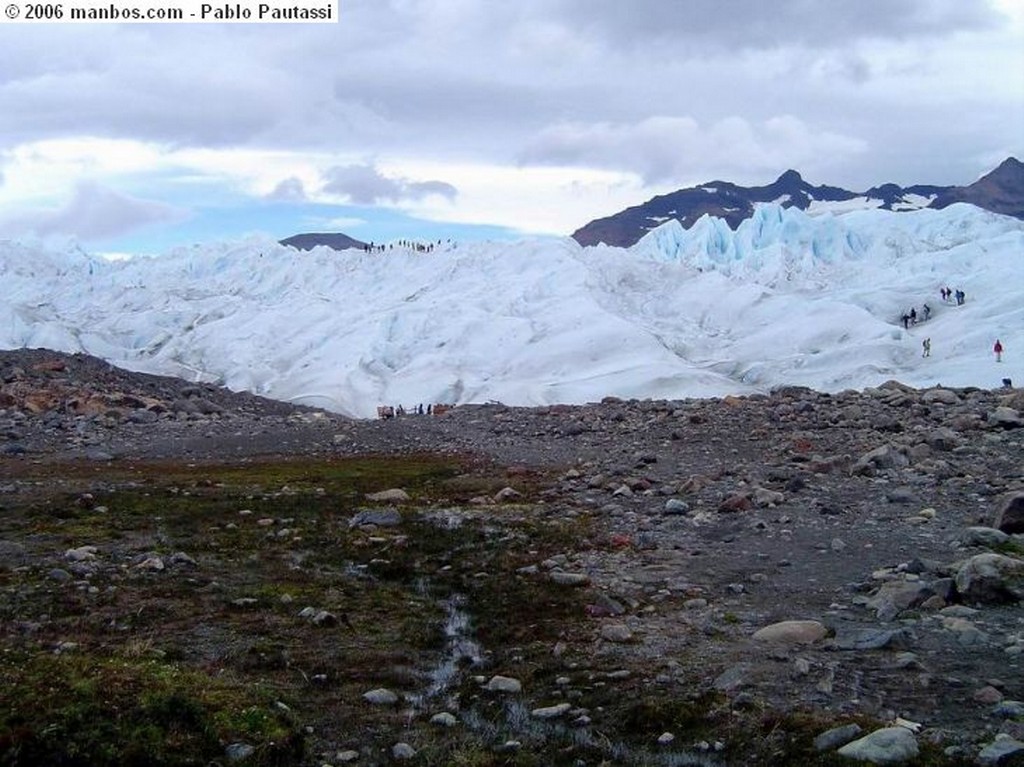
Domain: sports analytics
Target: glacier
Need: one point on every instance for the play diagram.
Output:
(785, 299)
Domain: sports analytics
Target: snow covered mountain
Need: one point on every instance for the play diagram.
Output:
(786, 298)
(1001, 191)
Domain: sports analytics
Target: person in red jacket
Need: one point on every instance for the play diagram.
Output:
(998, 349)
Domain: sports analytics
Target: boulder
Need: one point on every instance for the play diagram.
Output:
(1010, 514)
(991, 577)
(792, 632)
(890, 745)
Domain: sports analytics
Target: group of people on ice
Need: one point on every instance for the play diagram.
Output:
(912, 317)
(385, 412)
(959, 295)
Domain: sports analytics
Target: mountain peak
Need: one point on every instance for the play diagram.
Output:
(789, 177)
(1001, 191)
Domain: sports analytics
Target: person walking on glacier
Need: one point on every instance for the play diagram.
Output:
(926, 347)
(998, 349)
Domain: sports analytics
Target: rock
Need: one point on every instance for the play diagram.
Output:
(764, 498)
(989, 537)
(236, 752)
(884, 457)
(792, 632)
(890, 745)
(551, 712)
(942, 396)
(616, 632)
(504, 684)
(12, 555)
(736, 502)
(507, 494)
(81, 554)
(403, 751)
(395, 495)
(380, 697)
(376, 517)
(570, 579)
(1005, 418)
(675, 506)
(1002, 751)
(346, 756)
(896, 596)
(991, 577)
(444, 719)
(1010, 514)
(836, 737)
(870, 638)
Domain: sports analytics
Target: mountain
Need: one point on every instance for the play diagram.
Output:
(784, 299)
(1001, 191)
(332, 240)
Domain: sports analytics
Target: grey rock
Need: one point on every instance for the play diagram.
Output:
(675, 506)
(890, 745)
(380, 697)
(376, 517)
(870, 638)
(394, 495)
(403, 751)
(1005, 418)
(504, 684)
(836, 737)
(988, 537)
(991, 577)
(551, 712)
(12, 554)
(1002, 751)
(236, 752)
(1009, 516)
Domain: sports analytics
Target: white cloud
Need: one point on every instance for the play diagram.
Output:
(651, 93)
(678, 149)
(93, 212)
(363, 184)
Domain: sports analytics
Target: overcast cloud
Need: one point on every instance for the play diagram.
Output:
(410, 105)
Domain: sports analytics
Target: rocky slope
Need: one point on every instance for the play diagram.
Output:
(857, 555)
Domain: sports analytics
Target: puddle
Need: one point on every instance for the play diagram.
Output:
(460, 652)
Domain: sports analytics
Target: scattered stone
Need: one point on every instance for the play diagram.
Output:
(376, 517)
(403, 751)
(1002, 751)
(792, 632)
(380, 697)
(616, 632)
(832, 739)
(991, 578)
(236, 752)
(444, 719)
(676, 506)
(504, 684)
(890, 745)
(551, 712)
(570, 579)
(395, 495)
(1009, 516)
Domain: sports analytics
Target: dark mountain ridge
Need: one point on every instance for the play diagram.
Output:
(1000, 191)
(335, 240)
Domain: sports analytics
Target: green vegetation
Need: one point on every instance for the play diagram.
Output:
(232, 613)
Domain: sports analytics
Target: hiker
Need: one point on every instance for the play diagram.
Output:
(905, 319)
(926, 311)
(960, 298)
(913, 316)
(926, 350)
(998, 349)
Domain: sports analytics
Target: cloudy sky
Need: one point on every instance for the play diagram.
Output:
(484, 118)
